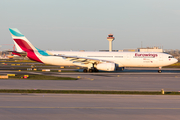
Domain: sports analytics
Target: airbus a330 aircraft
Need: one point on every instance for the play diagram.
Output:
(93, 61)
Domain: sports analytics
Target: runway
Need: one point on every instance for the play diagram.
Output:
(88, 107)
(125, 81)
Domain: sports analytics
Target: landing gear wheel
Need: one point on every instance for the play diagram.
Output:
(122, 68)
(96, 70)
(91, 70)
(85, 70)
(159, 71)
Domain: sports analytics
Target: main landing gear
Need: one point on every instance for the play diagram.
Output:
(85, 70)
(91, 70)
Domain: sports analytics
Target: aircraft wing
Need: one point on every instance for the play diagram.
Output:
(83, 60)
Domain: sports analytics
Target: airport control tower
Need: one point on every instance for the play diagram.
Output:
(110, 38)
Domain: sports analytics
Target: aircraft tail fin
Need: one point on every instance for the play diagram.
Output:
(21, 42)
(23, 45)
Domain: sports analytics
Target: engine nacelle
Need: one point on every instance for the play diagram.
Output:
(106, 66)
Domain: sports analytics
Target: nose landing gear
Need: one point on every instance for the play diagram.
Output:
(159, 71)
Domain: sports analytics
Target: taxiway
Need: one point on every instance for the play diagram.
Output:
(127, 81)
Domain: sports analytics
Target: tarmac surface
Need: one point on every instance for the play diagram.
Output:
(93, 106)
(88, 107)
(147, 80)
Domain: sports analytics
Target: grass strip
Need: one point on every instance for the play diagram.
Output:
(86, 92)
(41, 77)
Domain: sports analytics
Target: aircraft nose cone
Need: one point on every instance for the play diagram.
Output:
(175, 60)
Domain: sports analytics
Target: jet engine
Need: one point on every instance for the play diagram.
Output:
(106, 66)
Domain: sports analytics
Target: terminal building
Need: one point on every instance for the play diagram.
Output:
(150, 49)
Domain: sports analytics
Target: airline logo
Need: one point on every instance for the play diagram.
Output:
(145, 55)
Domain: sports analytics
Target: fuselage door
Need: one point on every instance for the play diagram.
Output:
(128, 57)
(160, 57)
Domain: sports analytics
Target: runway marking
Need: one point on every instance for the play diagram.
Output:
(79, 77)
(125, 108)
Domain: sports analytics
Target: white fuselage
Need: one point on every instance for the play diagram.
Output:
(122, 59)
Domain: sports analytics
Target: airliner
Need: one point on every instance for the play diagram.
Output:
(92, 61)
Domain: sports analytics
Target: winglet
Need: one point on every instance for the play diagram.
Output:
(16, 32)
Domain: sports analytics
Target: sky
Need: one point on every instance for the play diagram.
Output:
(85, 24)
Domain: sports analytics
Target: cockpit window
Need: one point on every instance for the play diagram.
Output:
(170, 57)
